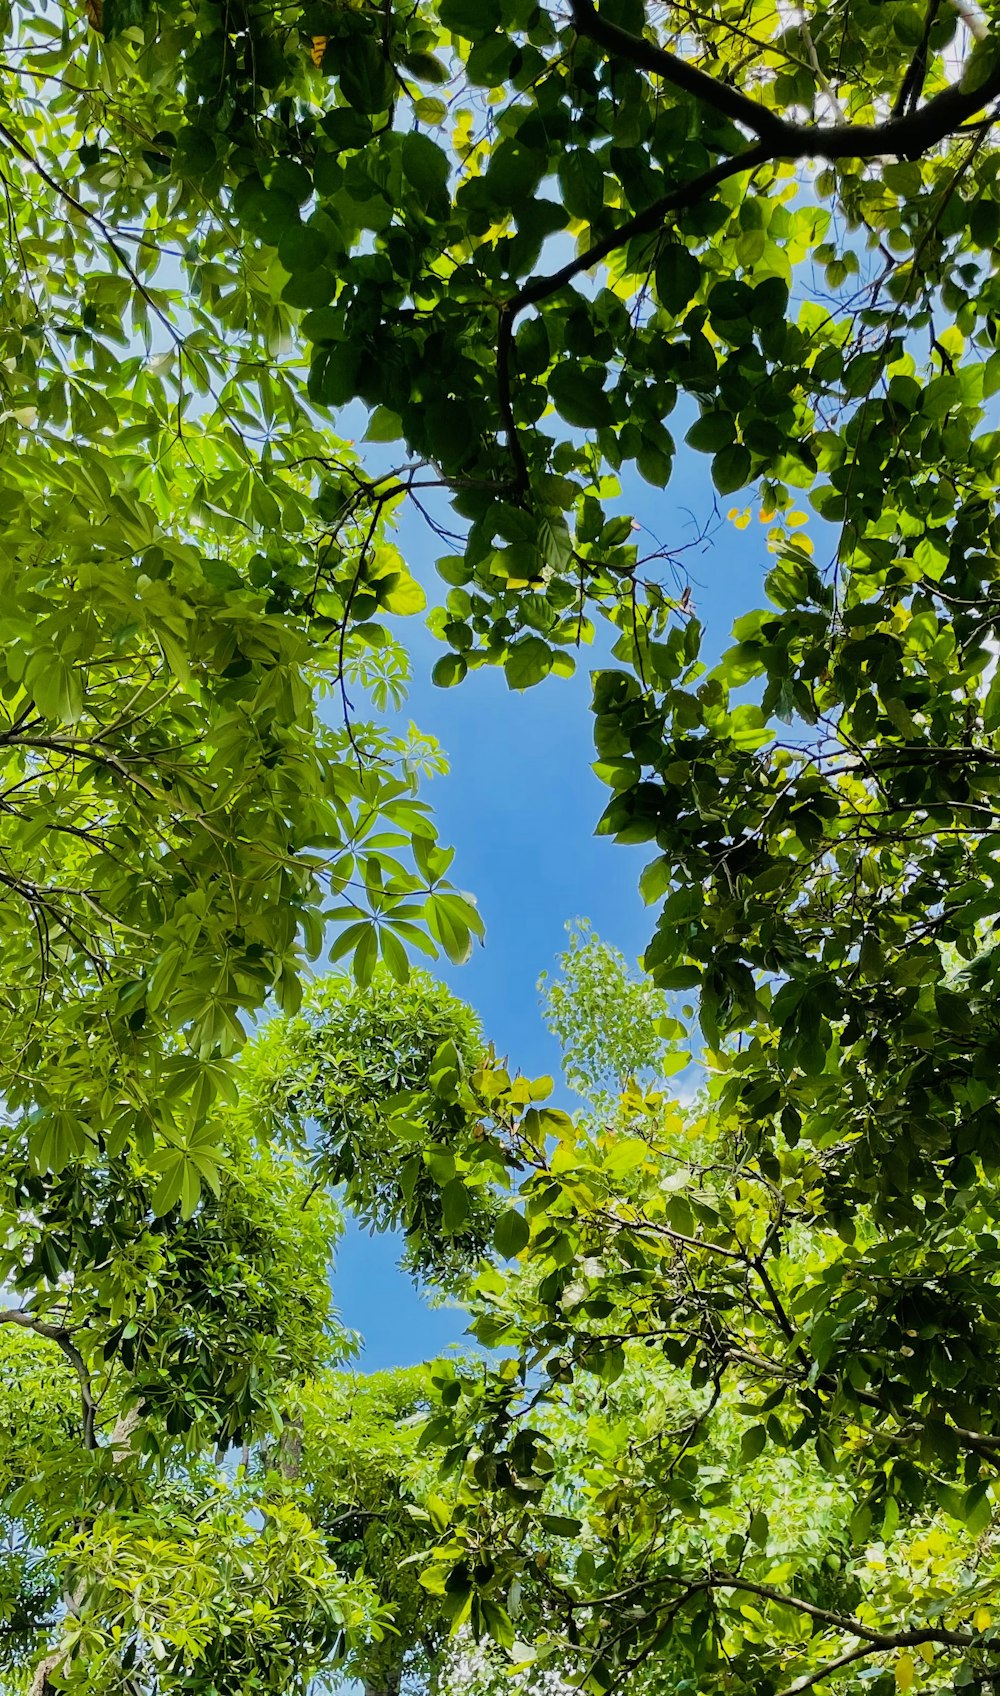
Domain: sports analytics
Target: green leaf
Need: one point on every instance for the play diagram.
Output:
(454, 1206)
(402, 594)
(489, 63)
(511, 1234)
(366, 950)
(554, 541)
(731, 469)
(333, 373)
(303, 247)
(449, 670)
(497, 1622)
(527, 662)
(655, 455)
(470, 19)
(346, 128)
(581, 179)
(171, 1186)
(426, 67)
(559, 1524)
(677, 277)
(425, 165)
(394, 954)
(366, 77)
(625, 1156)
(514, 173)
(654, 880)
(384, 426)
(447, 924)
(753, 1443)
(977, 1509)
(578, 395)
(713, 431)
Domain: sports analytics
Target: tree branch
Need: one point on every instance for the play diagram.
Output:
(907, 135)
(817, 70)
(847, 1622)
(974, 21)
(808, 1679)
(59, 1335)
(912, 85)
(537, 289)
(641, 224)
(647, 56)
(505, 347)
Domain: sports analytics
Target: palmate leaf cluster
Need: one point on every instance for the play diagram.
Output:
(191, 559)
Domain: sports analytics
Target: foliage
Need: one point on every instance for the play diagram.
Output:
(195, 1500)
(611, 1024)
(422, 243)
(198, 1320)
(371, 1495)
(403, 1106)
(190, 558)
(720, 1444)
(210, 1602)
(143, 1346)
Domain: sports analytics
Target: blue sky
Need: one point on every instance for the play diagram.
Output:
(519, 806)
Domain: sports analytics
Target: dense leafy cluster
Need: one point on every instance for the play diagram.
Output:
(372, 1495)
(383, 1086)
(612, 1025)
(141, 1347)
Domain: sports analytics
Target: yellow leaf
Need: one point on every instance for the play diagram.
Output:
(318, 50)
(905, 1670)
(982, 1618)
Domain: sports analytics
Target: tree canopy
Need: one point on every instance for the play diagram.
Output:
(736, 1428)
